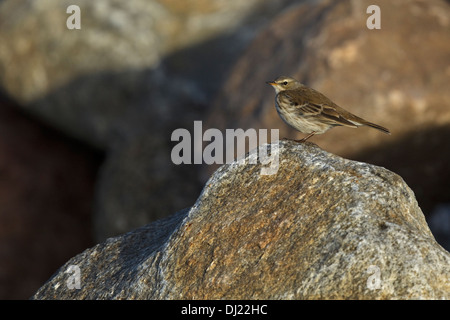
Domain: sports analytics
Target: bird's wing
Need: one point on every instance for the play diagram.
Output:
(331, 113)
(313, 103)
(297, 102)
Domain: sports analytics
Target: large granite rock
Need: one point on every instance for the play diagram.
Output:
(319, 227)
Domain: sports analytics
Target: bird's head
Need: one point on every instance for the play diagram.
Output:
(284, 83)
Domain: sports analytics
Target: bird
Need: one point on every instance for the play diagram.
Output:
(309, 111)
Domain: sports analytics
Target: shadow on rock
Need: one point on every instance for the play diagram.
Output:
(421, 158)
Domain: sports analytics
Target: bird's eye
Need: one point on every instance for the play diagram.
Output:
(285, 83)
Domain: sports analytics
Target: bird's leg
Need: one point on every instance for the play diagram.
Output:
(307, 137)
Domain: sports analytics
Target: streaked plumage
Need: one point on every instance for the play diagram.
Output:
(309, 111)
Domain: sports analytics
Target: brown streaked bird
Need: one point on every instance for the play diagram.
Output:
(309, 111)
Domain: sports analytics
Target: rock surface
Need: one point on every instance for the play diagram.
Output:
(321, 227)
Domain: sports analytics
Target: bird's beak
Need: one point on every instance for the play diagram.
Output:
(272, 83)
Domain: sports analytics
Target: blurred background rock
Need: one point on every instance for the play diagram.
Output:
(87, 115)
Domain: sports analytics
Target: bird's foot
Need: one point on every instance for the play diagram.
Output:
(305, 138)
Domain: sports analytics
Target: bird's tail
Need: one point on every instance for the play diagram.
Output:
(376, 126)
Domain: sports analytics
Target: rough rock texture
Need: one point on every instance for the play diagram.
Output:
(321, 227)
